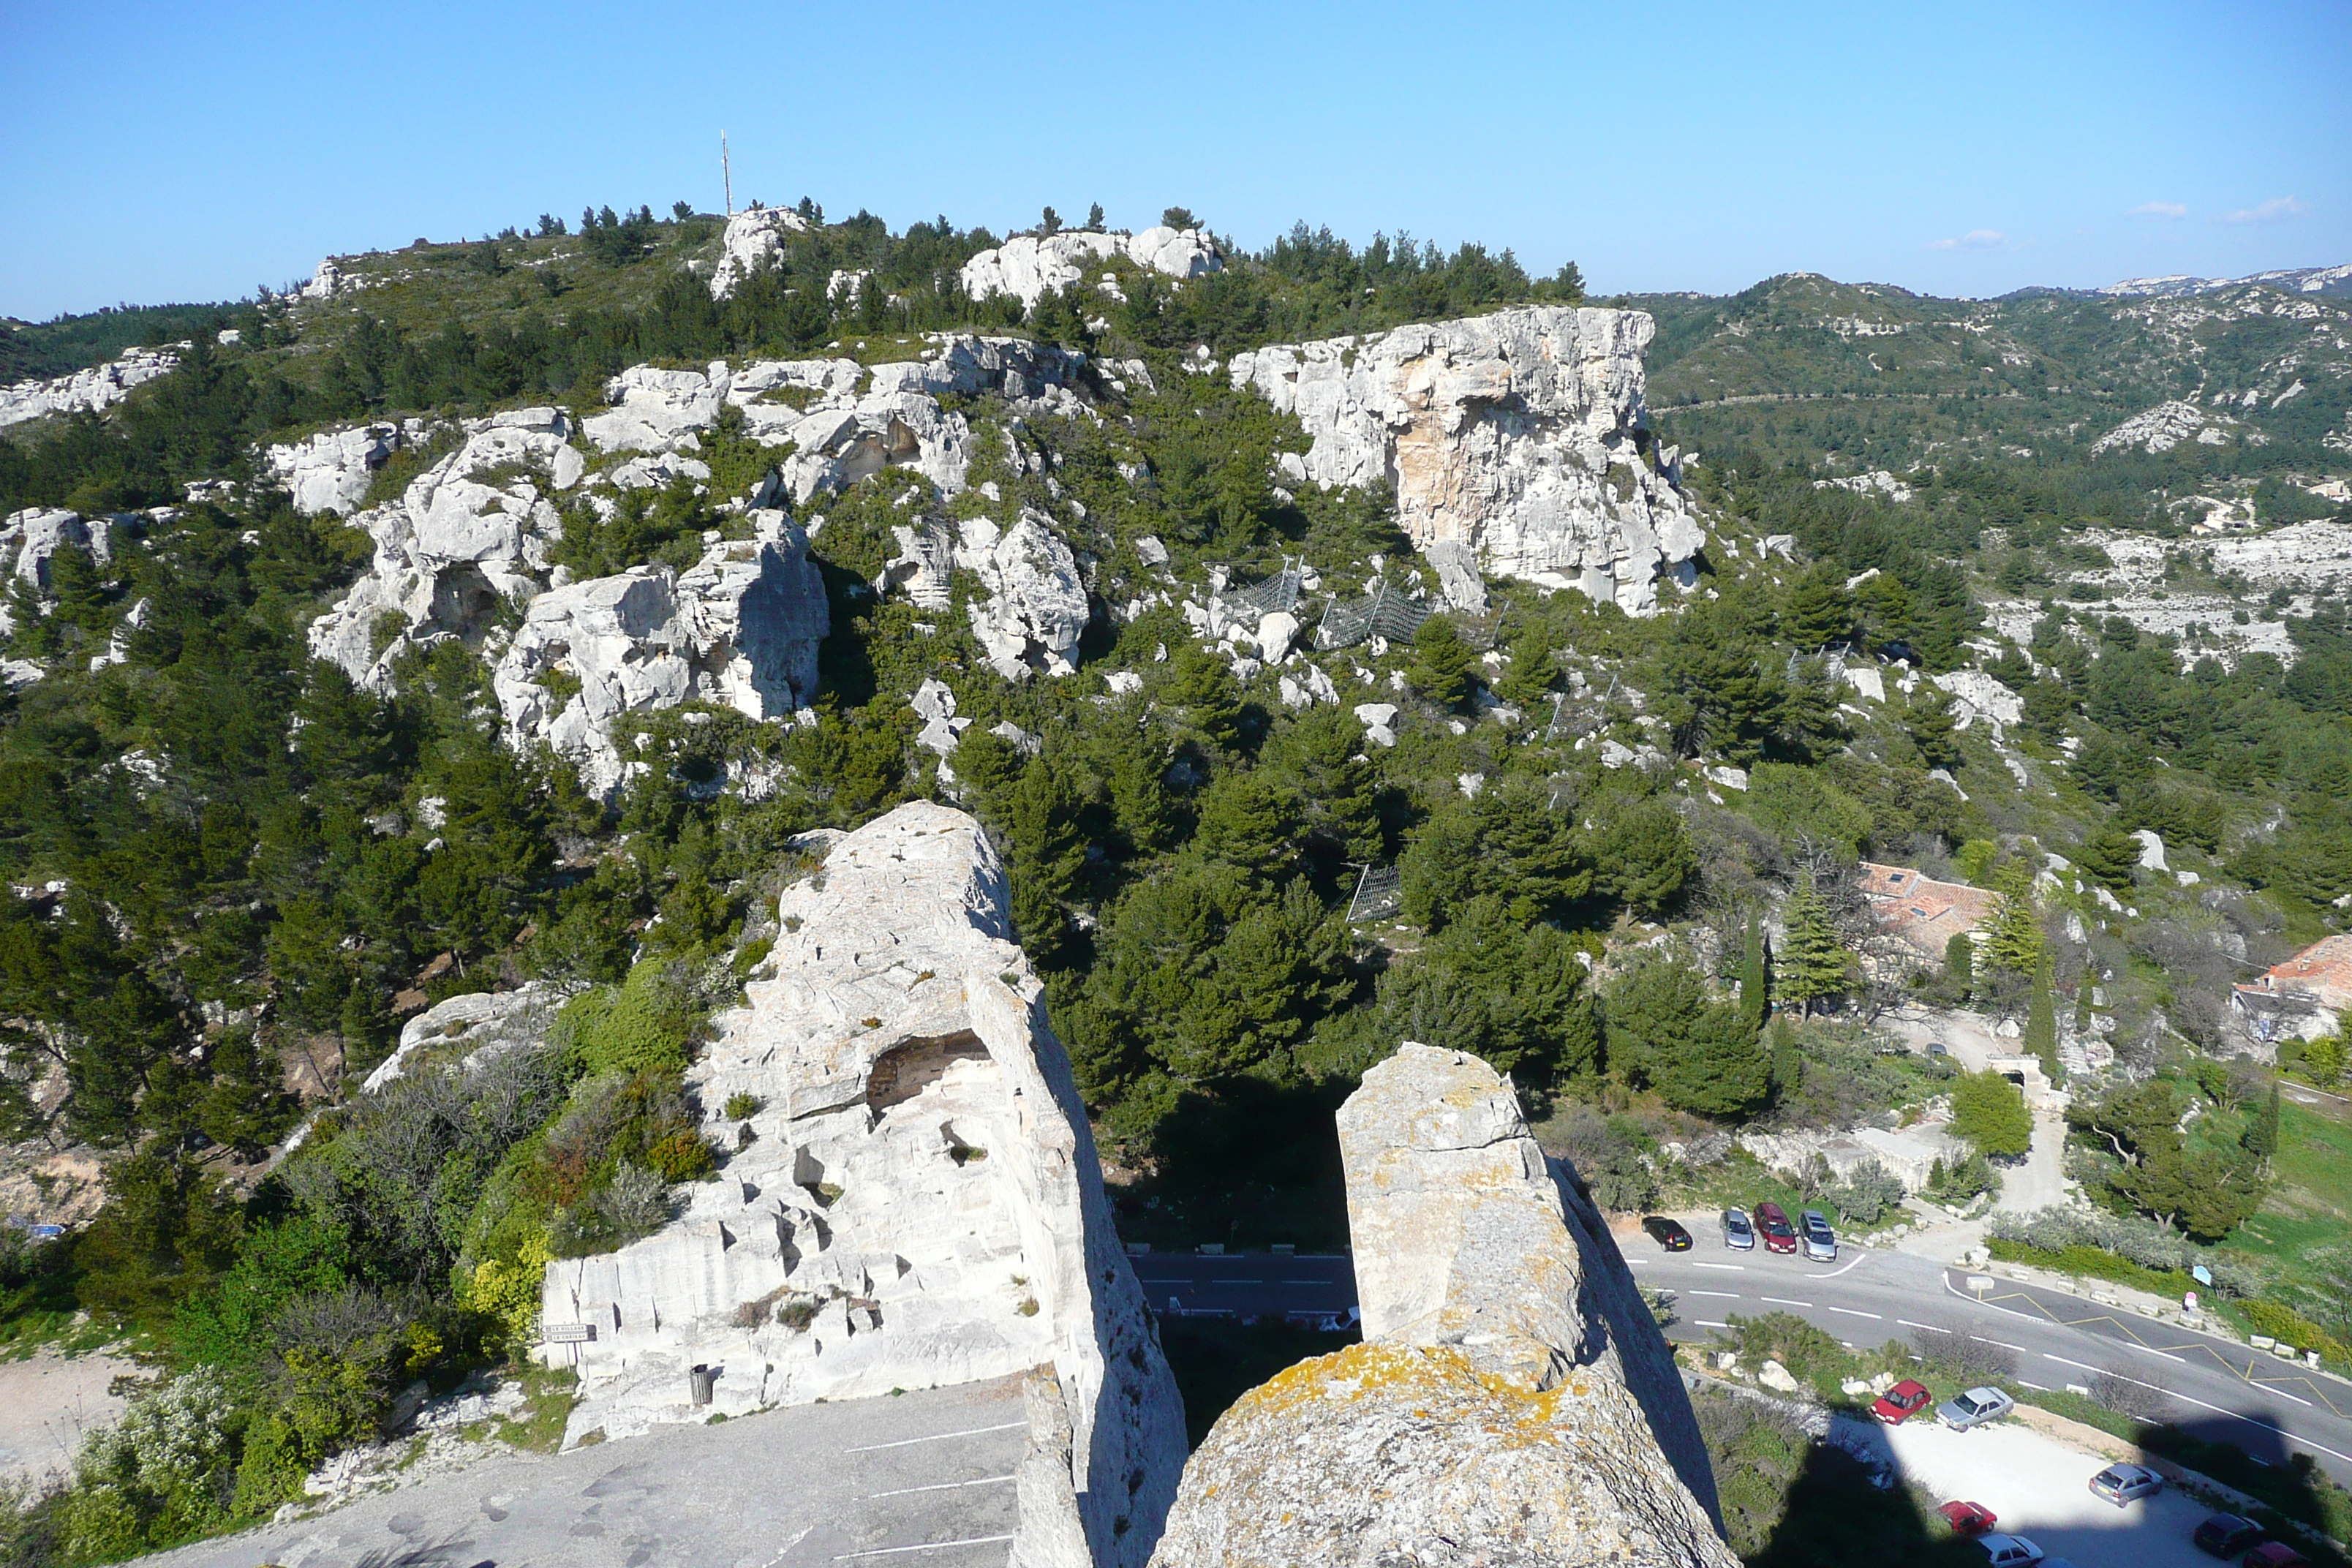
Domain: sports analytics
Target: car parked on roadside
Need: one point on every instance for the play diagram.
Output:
(1668, 1234)
(2010, 1551)
(1977, 1407)
(1772, 1224)
(2227, 1535)
(2120, 1484)
(1820, 1240)
(1968, 1518)
(1738, 1234)
(1902, 1401)
(2274, 1555)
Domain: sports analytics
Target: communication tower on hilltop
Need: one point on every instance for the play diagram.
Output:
(726, 175)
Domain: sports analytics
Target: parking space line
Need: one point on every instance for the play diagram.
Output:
(936, 1437)
(1784, 1301)
(921, 1546)
(942, 1487)
(1851, 1312)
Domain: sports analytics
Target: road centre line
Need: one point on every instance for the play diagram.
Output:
(1726, 1295)
(1704, 1324)
(1929, 1327)
(2004, 1345)
(935, 1437)
(1851, 1312)
(1234, 1282)
(921, 1546)
(1735, 1267)
(2217, 1409)
(940, 1487)
(2035, 1386)
(1784, 1301)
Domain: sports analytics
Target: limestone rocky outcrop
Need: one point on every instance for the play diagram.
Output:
(916, 1201)
(100, 386)
(332, 470)
(754, 239)
(470, 533)
(1522, 435)
(31, 538)
(1029, 266)
(740, 628)
(1511, 1402)
(2162, 428)
(1034, 604)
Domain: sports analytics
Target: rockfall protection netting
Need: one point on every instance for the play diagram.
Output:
(1383, 612)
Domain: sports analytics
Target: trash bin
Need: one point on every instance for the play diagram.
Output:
(701, 1380)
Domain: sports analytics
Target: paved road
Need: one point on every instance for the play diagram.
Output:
(2217, 1389)
(1247, 1284)
(923, 1480)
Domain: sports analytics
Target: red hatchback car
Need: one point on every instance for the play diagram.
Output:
(1902, 1401)
(1772, 1224)
(1969, 1519)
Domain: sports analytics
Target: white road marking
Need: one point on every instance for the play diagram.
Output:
(1835, 1272)
(1640, 1262)
(1851, 1312)
(923, 1546)
(2002, 1343)
(1328, 1283)
(938, 1437)
(2035, 1386)
(1726, 1295)
(1704, 1324)
(1236, 1281)
(1784, 1301)
(942, 1487)
(2265, 1387)
(1929, 1327)
(1735, 1267)
(787, 1552)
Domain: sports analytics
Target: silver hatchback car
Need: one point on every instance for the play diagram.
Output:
(1813, 1233)
(1738, 1231)
(2121, 1484)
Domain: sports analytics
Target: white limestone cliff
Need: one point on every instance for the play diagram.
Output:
(332, 470)
(741, 628)
(1522, 435)
(919, 1193)
(101, 386)
(1032, 606)
(1029, 266)
(754, 239)
(1512, 1401)
(31, 538)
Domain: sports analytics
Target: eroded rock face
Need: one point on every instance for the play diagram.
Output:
(919, 1196)
(331, 471)
(468, 533)
(1035, 604)
(1030, 266)
(1512, 1401)
(100, 386)
(1522, 435)
(741, 628)
(2163, 427)
(753, 240)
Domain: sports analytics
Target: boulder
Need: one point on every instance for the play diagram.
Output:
(740, 628)
(1457, 574)
(920, 1198)
(1512, 1401)
(1977, 694)
(1034, 603)
(1030, 266)
(1776, 1377)
(331, 471)
(1378, 720)
(1520, 435)
(2151, 849)
(86, 391)
(753, 240)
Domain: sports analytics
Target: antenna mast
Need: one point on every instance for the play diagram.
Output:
(726, 173)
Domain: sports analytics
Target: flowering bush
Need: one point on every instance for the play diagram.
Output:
(158, 1475)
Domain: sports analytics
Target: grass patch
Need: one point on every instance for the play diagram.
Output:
(2096, 1263)
(550, 1392)
(2299, 1236)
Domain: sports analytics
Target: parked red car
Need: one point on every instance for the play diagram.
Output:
(1772, 1224)
(2274, 1555)
(1902, 1401)
(1968, 1518)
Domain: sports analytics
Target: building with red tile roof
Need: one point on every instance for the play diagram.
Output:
(2304, 996)
(1923, 912)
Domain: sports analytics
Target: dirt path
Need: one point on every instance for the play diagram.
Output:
(48, 1402)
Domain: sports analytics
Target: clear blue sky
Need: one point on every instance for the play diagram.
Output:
(190, 152)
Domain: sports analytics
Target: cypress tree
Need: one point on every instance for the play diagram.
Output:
(2042, 1024)
(1754, 987)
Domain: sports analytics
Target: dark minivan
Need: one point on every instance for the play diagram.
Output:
(1772, 1224)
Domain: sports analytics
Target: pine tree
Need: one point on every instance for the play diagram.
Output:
(1820, 611)
(1814, 963)
(1754, 987)
(2013, 940)
(1788, 1064)
(2042, 1024)
(1929, 722)
(1442, 666)
(2108, 858)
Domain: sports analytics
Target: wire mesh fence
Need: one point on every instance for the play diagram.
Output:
(1383, 612)
(1380, 895)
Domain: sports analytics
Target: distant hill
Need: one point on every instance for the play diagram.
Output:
(59, 347)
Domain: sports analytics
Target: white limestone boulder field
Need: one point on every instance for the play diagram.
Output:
(917, 1200)
(1029, 266)
(1522, 435)
(86, 391)
(1512, 1401)
(740, 628)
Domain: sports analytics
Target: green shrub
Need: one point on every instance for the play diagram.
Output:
(2290, 1327)
(682, 1157)
(158, 1475)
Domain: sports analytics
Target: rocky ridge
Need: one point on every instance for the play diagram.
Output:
(753, 239)
(916, 1201)
(1030, 266)
(100, 386)
(1512, 1401)
(1522, 436)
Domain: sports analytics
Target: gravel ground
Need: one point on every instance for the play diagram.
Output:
(46, 1402)
(2041, 1489)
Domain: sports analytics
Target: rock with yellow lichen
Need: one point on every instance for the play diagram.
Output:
(1512, 1403)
